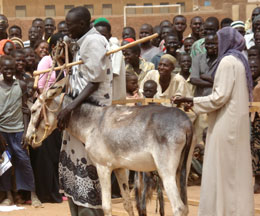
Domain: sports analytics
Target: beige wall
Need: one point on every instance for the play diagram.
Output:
(36, 8)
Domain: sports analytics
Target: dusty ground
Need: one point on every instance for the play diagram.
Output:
(63, 209)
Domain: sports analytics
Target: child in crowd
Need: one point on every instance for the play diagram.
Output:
(30, 60)
(257, 38)
(188, 44)
(255, 121)
(253, 52)
(185, 64)
(18, 55)
(149, 89)
(13, 126)
(131, 85)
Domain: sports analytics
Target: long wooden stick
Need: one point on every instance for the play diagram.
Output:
(36, 73)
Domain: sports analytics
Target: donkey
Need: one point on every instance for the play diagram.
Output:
(141, 138)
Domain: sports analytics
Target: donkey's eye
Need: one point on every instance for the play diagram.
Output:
(33, 111)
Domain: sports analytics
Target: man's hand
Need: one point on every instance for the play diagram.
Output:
(64, 118)
(24, 142)
(180, 100)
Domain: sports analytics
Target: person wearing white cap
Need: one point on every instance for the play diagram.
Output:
(240, 26)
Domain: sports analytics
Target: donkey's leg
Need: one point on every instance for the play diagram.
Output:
(104, 175)
(167, 170)
(160, 196)
(122, 179)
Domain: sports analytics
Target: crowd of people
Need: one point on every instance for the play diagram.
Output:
(171, 66)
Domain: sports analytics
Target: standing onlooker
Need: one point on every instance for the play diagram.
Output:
(255, 120)
(227, 187)
(156, 41)
(179, 26)
(195, 24)
(240, 26)
(211, 26)
(62, 27)
(49, 28)
(15, 31)
(13, 126)
(4, 26)
(128, 32)
(249, 38)
(148, 51)
(225, 22)
(39, 24)
(117, 59)
(33, 35)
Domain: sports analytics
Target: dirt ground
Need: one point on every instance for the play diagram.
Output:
(117, 207)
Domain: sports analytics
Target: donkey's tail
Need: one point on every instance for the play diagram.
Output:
(183, 166)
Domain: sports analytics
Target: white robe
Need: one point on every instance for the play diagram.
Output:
(227, 187)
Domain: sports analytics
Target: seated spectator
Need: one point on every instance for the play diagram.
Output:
(149, 89)
(168, 83)
(131, 84)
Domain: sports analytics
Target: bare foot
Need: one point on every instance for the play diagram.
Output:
(7, 202)
(36, 203)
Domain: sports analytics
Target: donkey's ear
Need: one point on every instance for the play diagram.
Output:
(56, 89)
(53, 92)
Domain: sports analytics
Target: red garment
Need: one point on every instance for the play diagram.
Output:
(2, 45)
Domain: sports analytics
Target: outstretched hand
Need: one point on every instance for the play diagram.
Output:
(186, 102)
(64, 118)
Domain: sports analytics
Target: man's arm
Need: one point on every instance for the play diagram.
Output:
(64, 115)
(200, 82)
(25, 110)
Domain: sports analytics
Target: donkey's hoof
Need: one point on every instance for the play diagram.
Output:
(181, 211)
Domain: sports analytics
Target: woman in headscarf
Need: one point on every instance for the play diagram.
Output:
(227, 188)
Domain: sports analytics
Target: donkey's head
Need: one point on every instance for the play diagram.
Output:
(43, 116)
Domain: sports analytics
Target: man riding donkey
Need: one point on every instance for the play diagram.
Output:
(90, 82)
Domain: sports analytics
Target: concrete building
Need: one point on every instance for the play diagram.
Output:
(58, 8)
(22, 12)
